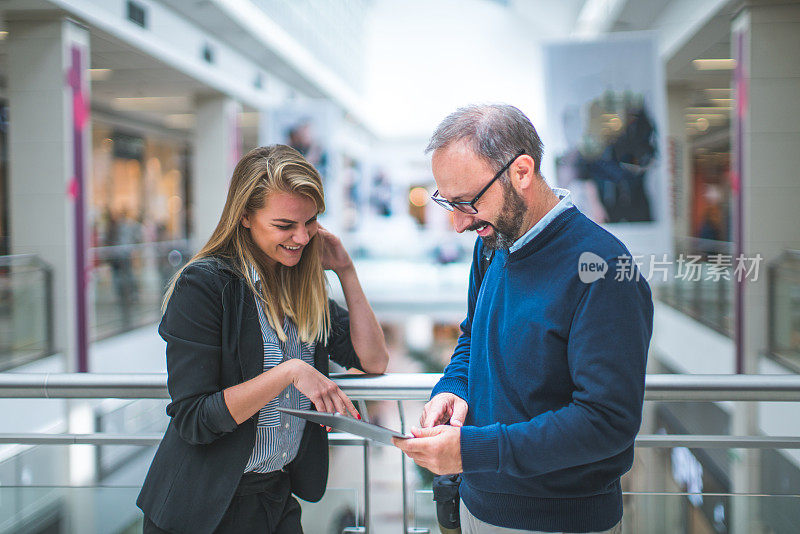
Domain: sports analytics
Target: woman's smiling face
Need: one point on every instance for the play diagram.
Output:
(283, 226)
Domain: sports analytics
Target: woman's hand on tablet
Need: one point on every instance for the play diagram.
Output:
(321, 390)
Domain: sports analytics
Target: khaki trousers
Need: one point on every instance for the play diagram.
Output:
(472, 525)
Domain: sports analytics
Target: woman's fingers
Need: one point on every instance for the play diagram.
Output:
(337, 401)
(330, 407)
(349, 406)
(326, 395)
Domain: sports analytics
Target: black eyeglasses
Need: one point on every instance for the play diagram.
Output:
(468, 206)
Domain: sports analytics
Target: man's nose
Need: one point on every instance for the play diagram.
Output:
(461, 220)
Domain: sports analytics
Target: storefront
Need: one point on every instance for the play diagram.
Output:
(139, 220)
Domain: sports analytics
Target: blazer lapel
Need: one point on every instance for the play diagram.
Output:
(251, 342)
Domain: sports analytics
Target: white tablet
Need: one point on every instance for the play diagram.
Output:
(349, 424)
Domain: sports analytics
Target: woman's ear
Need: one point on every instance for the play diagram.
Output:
(246, 221)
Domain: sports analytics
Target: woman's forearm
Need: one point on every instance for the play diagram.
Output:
(365, 331)
(245, 399)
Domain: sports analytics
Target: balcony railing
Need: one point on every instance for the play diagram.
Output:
(702, 295)
(416, 506)
(784, 309)
(26, 310)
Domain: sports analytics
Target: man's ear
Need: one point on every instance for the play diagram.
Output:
(246, 220)
(523, 172)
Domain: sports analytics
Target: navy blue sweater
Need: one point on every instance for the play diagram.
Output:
(553, 371)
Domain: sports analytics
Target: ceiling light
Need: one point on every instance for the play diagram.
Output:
(179, 120)
(249, 119)
(3, 36)
(707, 116)
(418, 196)
(714, 64)
(99, 75)
(721, 101)
(708, 109)
(150, 102)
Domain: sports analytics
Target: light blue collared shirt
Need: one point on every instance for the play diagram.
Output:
(563, 205)
(278, 434)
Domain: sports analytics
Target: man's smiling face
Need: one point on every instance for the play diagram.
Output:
(461, 174)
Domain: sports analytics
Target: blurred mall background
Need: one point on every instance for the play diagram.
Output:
(676, 123)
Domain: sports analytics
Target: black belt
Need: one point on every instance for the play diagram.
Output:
(252, 483)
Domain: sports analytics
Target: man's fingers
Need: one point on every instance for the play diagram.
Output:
(423, 415)
(411, 446)
(426, 432)
(402, 444)
(459, 413)
(434, 414)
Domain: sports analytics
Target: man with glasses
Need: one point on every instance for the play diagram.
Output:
(542, 399)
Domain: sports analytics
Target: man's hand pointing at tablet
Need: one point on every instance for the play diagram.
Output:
(437, 449)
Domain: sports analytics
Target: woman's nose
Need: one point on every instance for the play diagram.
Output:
(301, 237)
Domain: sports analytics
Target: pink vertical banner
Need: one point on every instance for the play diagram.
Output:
(740, 86)
(77, 86)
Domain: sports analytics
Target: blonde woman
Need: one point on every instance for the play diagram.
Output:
(249, 327)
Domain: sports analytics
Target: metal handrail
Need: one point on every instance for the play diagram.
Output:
(652, 441)
(394, 386)
(16, 259)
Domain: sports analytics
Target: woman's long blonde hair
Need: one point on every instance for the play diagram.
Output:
(298, 292)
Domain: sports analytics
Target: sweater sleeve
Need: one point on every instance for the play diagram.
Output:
(454, 379)
(606, 353)
(191, 326)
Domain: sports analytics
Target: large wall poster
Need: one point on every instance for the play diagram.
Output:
(310, 127)
(606, 135)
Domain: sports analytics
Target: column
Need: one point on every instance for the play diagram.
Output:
(216, 151)
(49, 136)
(765, 159)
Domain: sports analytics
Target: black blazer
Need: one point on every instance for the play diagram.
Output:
(214, 341)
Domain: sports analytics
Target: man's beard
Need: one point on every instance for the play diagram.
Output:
(508, 226)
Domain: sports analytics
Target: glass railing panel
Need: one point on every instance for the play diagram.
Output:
(654, 513)
(338, 509)
(424, 510)
(25, 303)
(112, 510)
(689, 513)
(128, 283)
(703, 295)
(68, 510)
(785, 308)
(138, 417)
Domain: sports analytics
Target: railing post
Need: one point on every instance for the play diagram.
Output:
(403, 469)
(362, 404)
(48, 302)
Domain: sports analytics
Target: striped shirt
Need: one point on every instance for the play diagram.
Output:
(278, 434)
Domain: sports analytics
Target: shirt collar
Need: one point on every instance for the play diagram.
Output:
(564, 203)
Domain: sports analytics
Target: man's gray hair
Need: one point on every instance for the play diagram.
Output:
(495, 131)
